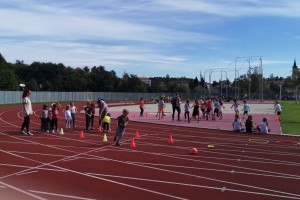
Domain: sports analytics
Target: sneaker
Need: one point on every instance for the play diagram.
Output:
(47, 131)
(118, 144)
(24, 133)
(29, 133)
(53, 131)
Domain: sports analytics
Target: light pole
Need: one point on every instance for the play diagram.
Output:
(205, 80)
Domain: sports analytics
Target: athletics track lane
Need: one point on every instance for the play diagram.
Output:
(64, 166)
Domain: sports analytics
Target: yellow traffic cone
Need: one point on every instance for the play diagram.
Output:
(61, 131)
(105, 138)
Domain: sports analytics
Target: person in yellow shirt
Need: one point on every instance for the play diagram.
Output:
(106, 123)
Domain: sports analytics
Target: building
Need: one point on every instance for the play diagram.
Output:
(146, 80)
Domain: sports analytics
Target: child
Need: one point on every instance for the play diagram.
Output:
(196, 110)
(235, 105)
(249, 125)
(221, 109)
(262, 127)
(187, 111)
(210, 110)
(278, 109)
(121, 124)
(246, 109)
(44, 115)
(161, 105)
(68, 117)
(106, 123)
(73, 113)
(55, 109)
(202, 108)
(217, 107)
(88, 114)
(237, 125)
(49, 120)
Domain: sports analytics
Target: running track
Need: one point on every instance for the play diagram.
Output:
(54, 166)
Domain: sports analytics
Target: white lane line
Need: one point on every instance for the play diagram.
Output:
(214, 163)
(207, 178)
(287, 176)
(223, 189)
(255, 159)
(187, 174)
(83, 174)
(27, 167)
(25, 173)
(22, 191)
(235, 148)
(60, 195)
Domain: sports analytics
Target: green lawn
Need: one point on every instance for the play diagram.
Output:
(290, 117)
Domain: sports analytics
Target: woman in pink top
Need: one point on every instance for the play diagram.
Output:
(142, 106)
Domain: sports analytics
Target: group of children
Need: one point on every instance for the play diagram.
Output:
(49, 117)
(104, 122)
(210, 109)
(262, 127)
(213, 109)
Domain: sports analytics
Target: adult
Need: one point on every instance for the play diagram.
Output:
(103, 108)
(26, 111)
(176, 106)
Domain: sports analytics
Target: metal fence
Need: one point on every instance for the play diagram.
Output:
(13, 97)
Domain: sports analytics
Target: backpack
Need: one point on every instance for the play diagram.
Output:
(174, 101)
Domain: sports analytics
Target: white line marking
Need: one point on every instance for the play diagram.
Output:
(60, 195)
(25, 173)
(193, 185)
(22, 191)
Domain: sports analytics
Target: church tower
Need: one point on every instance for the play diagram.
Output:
(295, 71)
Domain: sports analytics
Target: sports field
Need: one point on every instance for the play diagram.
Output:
(227, 165)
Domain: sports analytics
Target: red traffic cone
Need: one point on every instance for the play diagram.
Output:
(277, 119)
(137, 134)
(171, 139)
(132, 144)
(81, 136)
(100, 129)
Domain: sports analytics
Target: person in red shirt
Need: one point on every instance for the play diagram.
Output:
(55, 109)
(142, 106)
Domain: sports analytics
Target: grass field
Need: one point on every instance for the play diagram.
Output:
(290, 117)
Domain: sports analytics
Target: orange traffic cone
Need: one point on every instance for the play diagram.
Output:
(132, 144)
(81, 136)
(171, 139)
(100, 129)
(137, 134)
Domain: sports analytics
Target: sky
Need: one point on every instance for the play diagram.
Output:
(155, 38)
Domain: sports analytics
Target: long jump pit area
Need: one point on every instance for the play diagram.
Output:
(157, 159)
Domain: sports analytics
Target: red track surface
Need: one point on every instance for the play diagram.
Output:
(52, 166)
